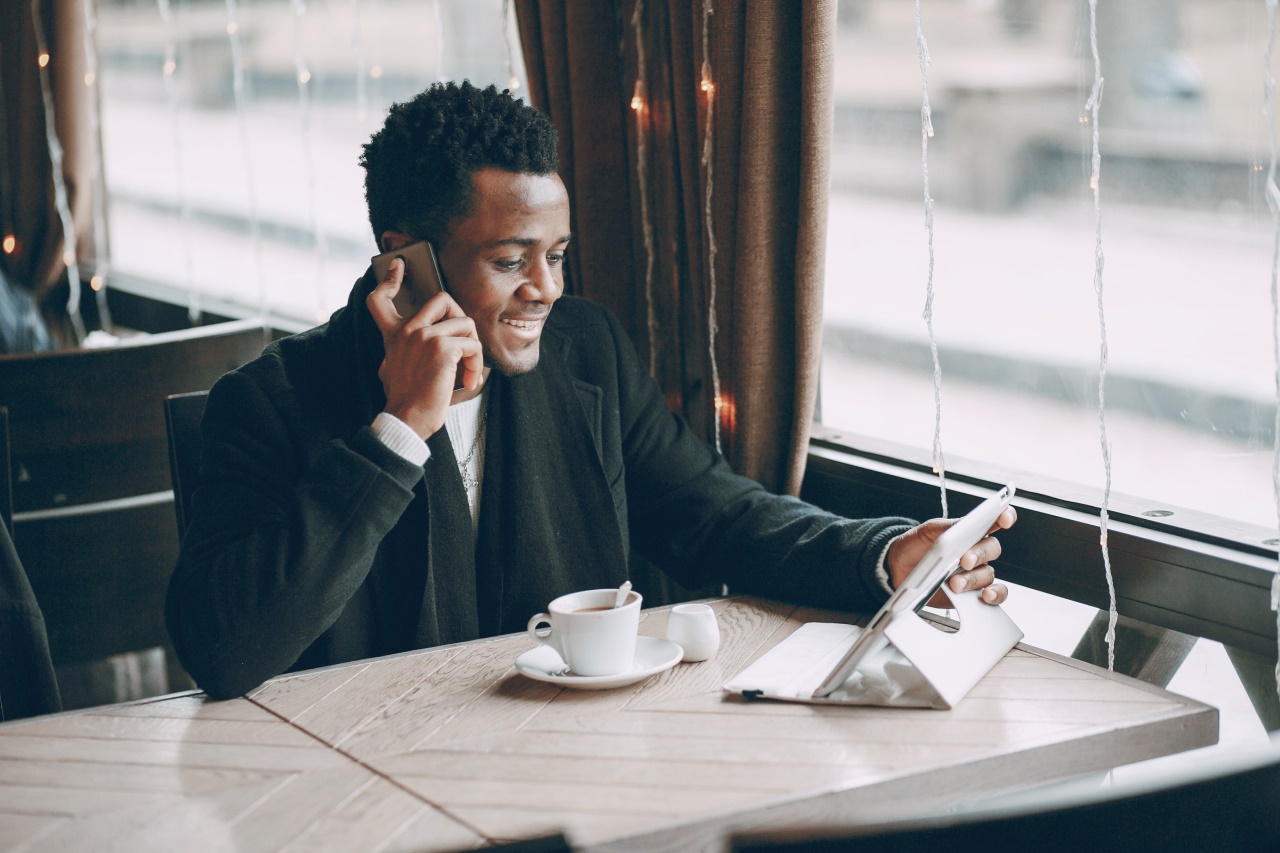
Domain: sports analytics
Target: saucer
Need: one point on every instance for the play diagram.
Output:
(652, 656)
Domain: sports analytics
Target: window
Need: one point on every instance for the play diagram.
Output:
(1187, 238)
(1186, 234)
(256, 202)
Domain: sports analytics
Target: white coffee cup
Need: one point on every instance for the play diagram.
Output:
(591, 635)
(693, 627)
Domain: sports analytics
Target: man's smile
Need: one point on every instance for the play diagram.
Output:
(523, 324)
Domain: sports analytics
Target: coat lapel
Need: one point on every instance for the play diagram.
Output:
(547, 520)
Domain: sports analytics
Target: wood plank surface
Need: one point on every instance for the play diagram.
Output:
(451, 749)
(516, 757)
(189, 774)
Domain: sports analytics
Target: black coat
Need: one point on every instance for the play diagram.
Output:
(311, 543)
(27, 683)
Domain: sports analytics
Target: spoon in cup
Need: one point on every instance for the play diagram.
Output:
(622, 594)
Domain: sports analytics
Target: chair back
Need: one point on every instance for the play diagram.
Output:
(93, 500)
(182, 416)
(6, 480)
(1227, 805)
(88, 425)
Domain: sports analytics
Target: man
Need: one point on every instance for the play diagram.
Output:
(383, 483)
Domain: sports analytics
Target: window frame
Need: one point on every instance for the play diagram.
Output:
(1195, 576)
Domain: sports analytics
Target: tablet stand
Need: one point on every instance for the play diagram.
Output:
(954, 661)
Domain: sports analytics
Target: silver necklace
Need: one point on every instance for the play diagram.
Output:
(469, 480)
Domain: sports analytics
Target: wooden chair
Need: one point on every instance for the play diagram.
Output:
(182, 416)
(93, 516)
(6, 481)
(1226, 806)
(88, 425)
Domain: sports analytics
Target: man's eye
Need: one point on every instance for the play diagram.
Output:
(555, 258)
(506, 264)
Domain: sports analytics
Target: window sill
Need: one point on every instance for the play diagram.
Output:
(1203, 576)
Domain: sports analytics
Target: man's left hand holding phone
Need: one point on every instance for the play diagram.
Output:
(432, 349)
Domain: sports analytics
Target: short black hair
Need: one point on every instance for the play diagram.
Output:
(418, 166)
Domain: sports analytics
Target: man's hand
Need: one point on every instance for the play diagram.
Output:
(423, 353)
(975, 566)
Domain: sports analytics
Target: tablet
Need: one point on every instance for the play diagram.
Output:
(933, 570)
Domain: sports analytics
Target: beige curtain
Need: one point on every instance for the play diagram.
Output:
(771, 68)
(27, 210)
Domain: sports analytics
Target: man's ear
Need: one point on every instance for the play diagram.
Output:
(392, 240)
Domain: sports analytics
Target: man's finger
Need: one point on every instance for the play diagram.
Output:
(995, 594)
(986, 551)
(440, 306)
(1005, 520)
(976, 579)
(380, 300)
(473, 368)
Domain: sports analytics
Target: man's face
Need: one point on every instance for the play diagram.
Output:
(504, 262)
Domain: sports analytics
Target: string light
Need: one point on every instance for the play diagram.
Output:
(513, 82)
(1092, 106)
(169, 69)
(101, 247)
(357, 48)
(926, 133)
(439, 19)
(304, 118)
(242, 118)
(60, 201)
(726, 412)
(9, 243)
(1273, 203)
(642, 181)
(708, 164)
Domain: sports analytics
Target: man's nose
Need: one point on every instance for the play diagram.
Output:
(543, 285)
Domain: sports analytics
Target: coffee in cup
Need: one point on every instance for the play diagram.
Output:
(591, 636)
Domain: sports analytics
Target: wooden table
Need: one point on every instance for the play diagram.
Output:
(450, 748)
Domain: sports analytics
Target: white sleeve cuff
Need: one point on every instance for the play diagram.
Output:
(882, 570)
(400, 438)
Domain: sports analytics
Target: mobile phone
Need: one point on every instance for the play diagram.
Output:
(422, 279)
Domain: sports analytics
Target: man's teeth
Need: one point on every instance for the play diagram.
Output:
(521, 324)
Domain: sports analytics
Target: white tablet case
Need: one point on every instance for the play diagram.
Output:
(923, 666)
